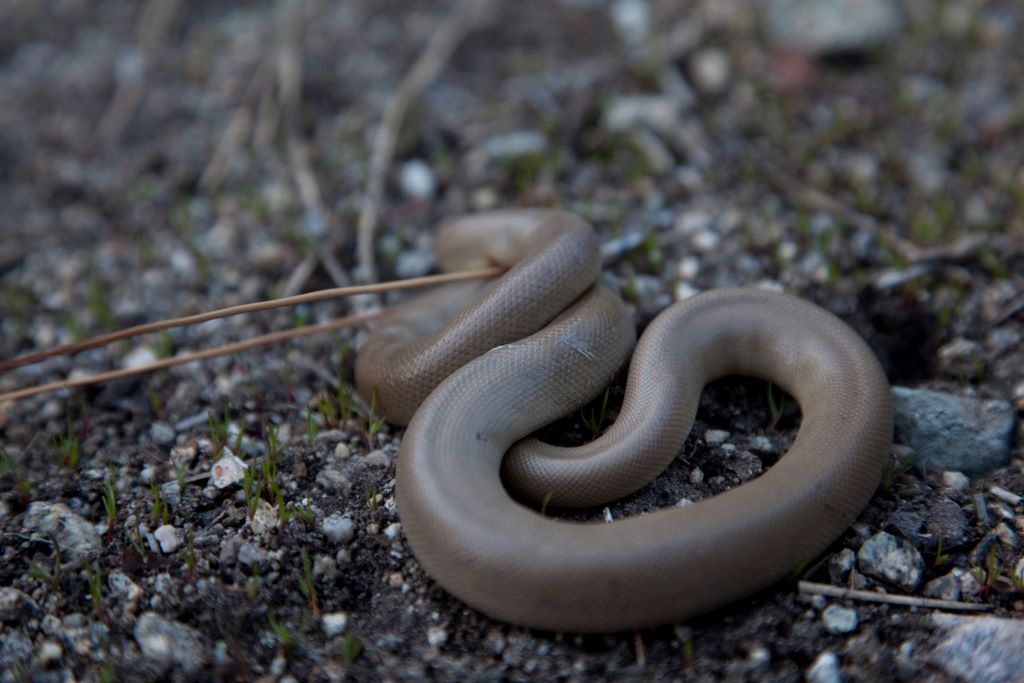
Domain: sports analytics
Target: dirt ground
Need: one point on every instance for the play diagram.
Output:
(165, 158)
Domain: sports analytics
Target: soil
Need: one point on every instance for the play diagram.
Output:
(166, 158)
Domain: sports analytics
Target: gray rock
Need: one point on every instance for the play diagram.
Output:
(168, 538)
(832, 26)
(77, 538)
(944, 588)
(907, 524)
(334, 623)
(839, 620)
(950, 432)
(840, 565)
(16, 647)
(377, 458)
(331, 479)
(170, 643)
(713, 437)
(249, 554)
(885, 557)
(946, 524)
(16, 606)
(980, 649)
(825, 669)
(338, 528)
(162, 433)
(762, 444)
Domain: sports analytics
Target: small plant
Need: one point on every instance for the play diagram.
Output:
(544, 505)
(51, 578)
(308, 585)
(311, 429)
(989, 573)
(273, 443)
(158, 509)
(21, 483)
(252, 584)
(219, 432)
(595, 421)
(941, 558)
(95, 581)
(284, 636)
(351, 646)
(371, 499)
(110, 502)
(897, 465)
(250, 489)
(68, 448)
(180, 476)
(374, 423)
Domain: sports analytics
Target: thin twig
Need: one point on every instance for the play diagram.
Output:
(872, 596)
(308, 297)
(237, 347)
(435, 55)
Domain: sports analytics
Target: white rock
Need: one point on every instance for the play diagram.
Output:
(138, 357)
(121, 584)
(839, 620)
(436, 636)
(334, 624)
(168, 538)
(264, 518)
(228, 469)
(338, 528)
(393, 530)
(955, 481)
(417, 179)
(711, 69)
(714, 437)
(48, 652)
(825, 669)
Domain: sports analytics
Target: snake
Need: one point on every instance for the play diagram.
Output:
(474, 370)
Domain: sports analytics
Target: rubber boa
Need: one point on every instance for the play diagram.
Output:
(475, 369)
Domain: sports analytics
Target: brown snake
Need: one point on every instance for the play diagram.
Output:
(478, 368)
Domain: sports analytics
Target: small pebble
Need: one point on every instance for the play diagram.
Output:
(713, 437)
(334, 623)
(392, 530)
(338, 528)
(376, 458)
(955, 481)
(945, 587)
(228, 469)
(161, 433)
(416, 179)
(825, 669)
(840, 565)
(711, 70)
(885, 557)
(168, 538)
(436, 636)
(839, 620)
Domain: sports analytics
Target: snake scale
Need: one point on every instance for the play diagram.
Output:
(474, 369)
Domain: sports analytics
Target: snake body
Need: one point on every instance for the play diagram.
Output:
(538, 343)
